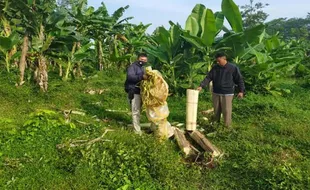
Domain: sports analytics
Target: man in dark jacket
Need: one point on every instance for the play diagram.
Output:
(224, 76)
(135, 74)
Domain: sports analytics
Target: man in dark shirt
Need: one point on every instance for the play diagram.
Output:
(224, 76)
(135, 74)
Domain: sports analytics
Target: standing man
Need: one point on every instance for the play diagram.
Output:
(225, 76)
(135, 74)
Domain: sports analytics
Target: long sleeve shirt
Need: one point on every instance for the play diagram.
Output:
(135, 74)
(224, 79)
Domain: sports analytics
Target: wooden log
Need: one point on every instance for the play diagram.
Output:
(204, 143)
(183, 143)
(191, 109)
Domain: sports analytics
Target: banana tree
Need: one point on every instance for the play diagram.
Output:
(8, 34)
(101, 20)
(26, 13)
(8, 49)
(117, 39)
(125, 46)
(76, 57)
(40, 44)
(201, 29)
(79, 20)
(166, 46)
(71, 46)
(67, 53)
(106, 30)
(134, 40)
(42, 40)
(31, 16)
(267, 61)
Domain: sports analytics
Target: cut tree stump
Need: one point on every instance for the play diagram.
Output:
(204, 143)
(184, 144)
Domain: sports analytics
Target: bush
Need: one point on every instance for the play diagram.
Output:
(127, 161)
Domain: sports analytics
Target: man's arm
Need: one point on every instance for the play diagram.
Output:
(238, 79)
(132, 76)
(207, 79)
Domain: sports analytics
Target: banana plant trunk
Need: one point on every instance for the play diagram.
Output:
(70, 61)
(6, 26)
(41, 70)
(79, 70)
(60, 70)
(12, 52)
(7, 32)
(8, 57)
(209, 69)
(42, 75)
(22, 62)
(7, 62)
(100, 55)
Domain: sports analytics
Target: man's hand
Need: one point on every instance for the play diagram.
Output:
(240, 95)
(199, 88)
(145, 77)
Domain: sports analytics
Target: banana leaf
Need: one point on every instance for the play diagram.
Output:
(232, 14)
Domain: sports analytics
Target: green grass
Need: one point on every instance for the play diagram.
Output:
(268, 147)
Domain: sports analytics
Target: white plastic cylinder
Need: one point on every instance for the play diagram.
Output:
(191, 109)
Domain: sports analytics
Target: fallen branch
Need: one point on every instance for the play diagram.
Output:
(73, 112)
(79, 143)
(67, 114)
(141, 125)
(119, 111)
(81, 122)
(78, 113)
(95, 91)
(207, 112)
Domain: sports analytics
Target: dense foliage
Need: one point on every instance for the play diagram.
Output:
(39, 36)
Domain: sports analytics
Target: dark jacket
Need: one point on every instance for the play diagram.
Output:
(135, 74)
(224, 78)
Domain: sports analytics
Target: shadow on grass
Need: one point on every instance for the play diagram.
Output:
(102, 113)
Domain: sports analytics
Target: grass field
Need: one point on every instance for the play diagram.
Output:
(268, 147)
